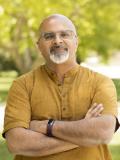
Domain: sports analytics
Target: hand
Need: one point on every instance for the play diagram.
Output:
(94, 111)
(39, 126)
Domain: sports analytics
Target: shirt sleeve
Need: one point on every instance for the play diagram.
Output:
(18, 111)
(105, 93)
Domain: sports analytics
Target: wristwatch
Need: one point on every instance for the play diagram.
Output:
(49, 127)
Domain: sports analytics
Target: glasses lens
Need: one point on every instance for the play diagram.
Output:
(66, 34)
(48, 36)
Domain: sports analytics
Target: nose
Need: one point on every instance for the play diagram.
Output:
(57, 40)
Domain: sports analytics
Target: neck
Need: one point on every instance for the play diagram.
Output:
(61, 69)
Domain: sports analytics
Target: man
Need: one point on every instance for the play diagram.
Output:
(55, 112)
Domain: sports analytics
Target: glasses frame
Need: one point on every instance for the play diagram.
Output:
(72, 35)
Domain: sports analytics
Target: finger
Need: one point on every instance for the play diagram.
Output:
(88, 114)
(92, 108)
(97, 110)
(94, 111)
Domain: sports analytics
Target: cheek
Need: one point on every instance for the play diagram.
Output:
(44, 49)
(73, 48)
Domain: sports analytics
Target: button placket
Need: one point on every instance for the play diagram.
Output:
(63, 92)
(64, 101)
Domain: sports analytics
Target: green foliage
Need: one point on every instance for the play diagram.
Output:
(97, 24)
(7, 64)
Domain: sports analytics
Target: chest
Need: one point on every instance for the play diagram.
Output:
(69, 101)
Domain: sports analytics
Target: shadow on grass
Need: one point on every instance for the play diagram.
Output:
(115, 150)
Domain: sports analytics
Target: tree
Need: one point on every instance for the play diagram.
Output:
(98, 31)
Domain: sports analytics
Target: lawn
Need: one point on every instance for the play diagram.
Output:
(117, 84)
(4, 153)
(115, 146)
(6, 79)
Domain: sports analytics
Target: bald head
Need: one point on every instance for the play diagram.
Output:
(52, 19)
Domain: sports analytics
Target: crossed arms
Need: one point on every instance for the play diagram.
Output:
(94, 129)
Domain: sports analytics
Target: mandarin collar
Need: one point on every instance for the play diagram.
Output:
(69, 74)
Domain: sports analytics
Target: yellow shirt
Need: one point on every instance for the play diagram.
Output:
(39, 95)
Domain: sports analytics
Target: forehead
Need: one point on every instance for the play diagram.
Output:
(56, 24)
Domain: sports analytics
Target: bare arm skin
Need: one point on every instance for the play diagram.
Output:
(92, 131)
(34, 142)
(22, 141)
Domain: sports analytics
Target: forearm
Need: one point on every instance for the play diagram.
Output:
(30, 143)
(86, 132)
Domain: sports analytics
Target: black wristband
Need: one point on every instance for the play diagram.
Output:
(117, 124)
(49, 127)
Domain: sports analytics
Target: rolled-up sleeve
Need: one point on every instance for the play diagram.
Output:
(18, 111)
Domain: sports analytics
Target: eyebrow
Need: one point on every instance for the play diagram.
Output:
(42, 33)
(58, 31)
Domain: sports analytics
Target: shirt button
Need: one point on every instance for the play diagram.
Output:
(63, 95)
(64, 109)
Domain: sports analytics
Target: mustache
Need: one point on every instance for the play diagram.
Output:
(53, 48)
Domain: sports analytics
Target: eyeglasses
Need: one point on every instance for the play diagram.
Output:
(65, 34)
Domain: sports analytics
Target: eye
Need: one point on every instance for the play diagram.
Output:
(48, 36)
(64, 35)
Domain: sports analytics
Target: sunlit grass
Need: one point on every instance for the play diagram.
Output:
(5, 86)
(116, 138)
(6, 79)
(115, 150)
(115, 146)
(117, 84)
(4, 153)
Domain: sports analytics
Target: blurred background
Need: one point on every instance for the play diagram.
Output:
(98, 28)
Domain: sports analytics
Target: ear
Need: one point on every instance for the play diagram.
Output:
(37, 45)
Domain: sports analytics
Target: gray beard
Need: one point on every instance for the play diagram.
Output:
(59, 57)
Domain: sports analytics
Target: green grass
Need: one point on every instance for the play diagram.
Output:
(8, 74)
(115, 146)
(4, 153)
(5, 84)
(115, 150)
(117, 84)
(6, 79)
